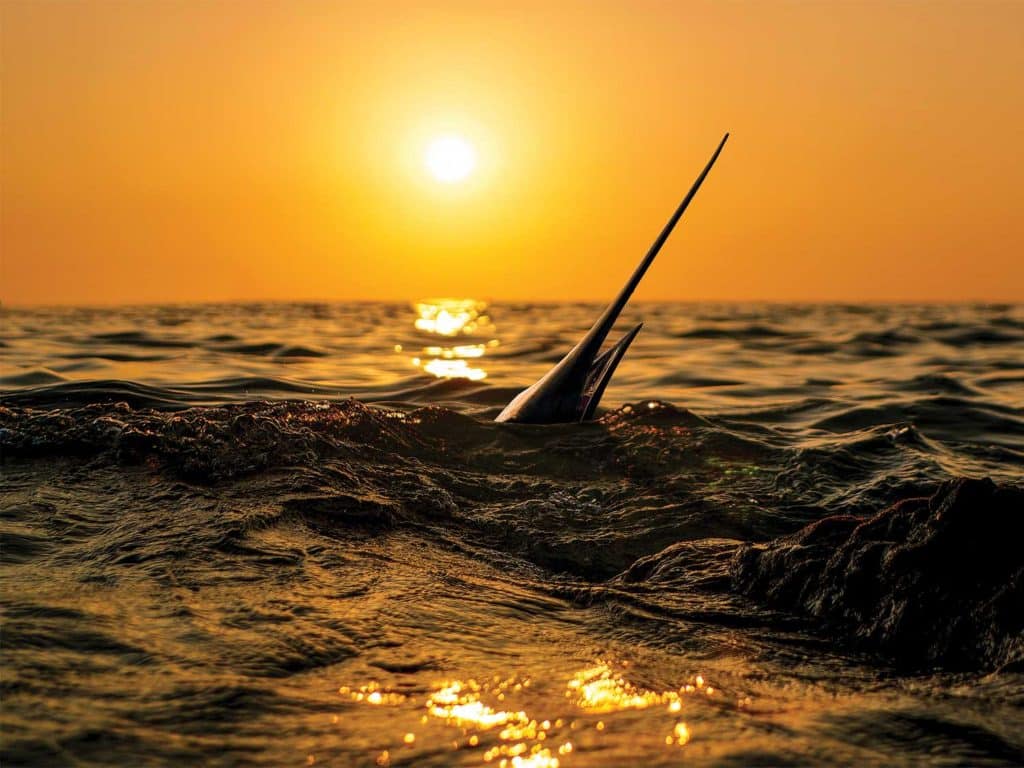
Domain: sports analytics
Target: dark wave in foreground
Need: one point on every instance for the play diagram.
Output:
(652, 476)
(936, 581)
(223, 572)
(243, 389)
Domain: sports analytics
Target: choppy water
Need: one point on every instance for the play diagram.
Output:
(211, 557)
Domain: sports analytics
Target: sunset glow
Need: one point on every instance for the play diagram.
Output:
(187, 151)
(511, 385)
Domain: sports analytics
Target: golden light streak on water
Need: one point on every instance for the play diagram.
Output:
(464, 351)
(514, 738)
(460, 704)
(454, 369)
(371, 693)
(452, 317)
(682, 734)
(598, 689)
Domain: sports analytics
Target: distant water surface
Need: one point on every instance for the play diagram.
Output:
(211, 557)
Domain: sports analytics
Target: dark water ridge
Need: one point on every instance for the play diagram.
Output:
(214, 557)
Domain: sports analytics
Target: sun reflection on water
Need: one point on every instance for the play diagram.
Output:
(451, 318)
(454, 369)
(599, 689)
(512, 738)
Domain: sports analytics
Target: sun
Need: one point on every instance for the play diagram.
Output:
(450, 158)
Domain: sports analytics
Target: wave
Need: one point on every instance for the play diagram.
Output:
(139, 339)
(752, 331)
(32, 378)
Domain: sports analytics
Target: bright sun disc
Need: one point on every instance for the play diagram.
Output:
(450, 159)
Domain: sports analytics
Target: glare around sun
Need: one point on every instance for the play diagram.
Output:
(450, 159)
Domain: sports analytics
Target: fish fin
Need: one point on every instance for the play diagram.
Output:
(601, 373)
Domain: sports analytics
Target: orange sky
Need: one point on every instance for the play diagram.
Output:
(178, 151)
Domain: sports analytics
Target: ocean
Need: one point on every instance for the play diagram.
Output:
(292, 534)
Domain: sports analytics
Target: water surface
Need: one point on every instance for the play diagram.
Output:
(212, 556)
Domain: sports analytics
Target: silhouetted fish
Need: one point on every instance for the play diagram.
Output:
(572, 389)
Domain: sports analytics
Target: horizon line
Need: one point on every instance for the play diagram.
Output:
(492, 301)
